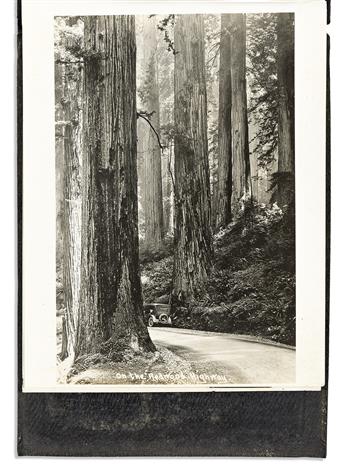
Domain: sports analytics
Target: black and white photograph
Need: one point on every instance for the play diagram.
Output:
(175, 199)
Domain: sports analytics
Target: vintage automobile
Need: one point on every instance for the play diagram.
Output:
(157, 314)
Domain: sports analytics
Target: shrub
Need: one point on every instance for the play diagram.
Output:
(156, 279)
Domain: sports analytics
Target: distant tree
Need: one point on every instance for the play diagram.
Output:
(241, 179)
(59, 171)
(286, 91)
(166, 102)
(223, 213)
(72, 214)
(68, 44)
(271, 79)
(212, 46)
(193, 241)
(152, 185)
(263, 85)
(111, 307)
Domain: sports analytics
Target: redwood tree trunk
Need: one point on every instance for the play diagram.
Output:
(111, 307)
(72, 201)
(286, 147)
(223, 215)
(59, 181)
(153, 199)
(193, 245)
(241, 182)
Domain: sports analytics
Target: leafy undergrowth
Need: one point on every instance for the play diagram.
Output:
(156, 272)
(251, 288)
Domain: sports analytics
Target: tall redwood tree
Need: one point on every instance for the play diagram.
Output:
(286, 96)
(223, 205)
(152, 186)
(193, 240)
(241, 179)
(111, 306)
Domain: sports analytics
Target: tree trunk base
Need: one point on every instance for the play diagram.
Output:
(118, 349)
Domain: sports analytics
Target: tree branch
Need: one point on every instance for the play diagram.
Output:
(170, 170)
(144, 116)
(141, 115)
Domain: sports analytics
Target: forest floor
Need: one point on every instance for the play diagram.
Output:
(163, 366)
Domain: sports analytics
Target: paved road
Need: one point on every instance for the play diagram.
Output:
(243, 361)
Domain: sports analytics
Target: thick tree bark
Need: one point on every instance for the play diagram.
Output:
(111, 306)
(193, 241)
(286, 147)
(153, 198)
(224, 187)
(241, 181)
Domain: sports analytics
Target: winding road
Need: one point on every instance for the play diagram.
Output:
(244, 360)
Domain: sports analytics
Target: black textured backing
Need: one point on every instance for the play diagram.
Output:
(198, 424)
